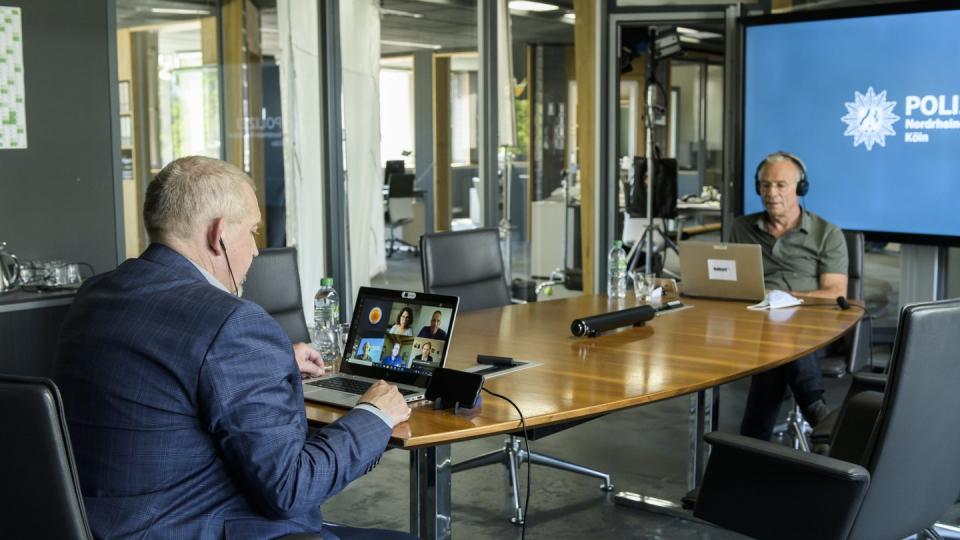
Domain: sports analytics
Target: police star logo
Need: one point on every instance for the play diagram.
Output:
(870, 119)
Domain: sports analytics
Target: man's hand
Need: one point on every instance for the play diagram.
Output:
(388, 399)
(308, 360)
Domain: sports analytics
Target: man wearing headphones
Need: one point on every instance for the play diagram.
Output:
(803, 254)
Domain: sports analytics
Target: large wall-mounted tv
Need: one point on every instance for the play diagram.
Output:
(871, 103)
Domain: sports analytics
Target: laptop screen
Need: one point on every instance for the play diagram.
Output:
(399, 336)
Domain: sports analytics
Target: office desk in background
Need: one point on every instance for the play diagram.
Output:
(412, 232)
(683, 352)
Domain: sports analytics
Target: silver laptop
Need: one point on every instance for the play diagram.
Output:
(730, 271)
(397, 336)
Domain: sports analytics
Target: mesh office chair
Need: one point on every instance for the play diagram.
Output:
(399, 209)
(273, 282)
(469, 264)
(40, 493)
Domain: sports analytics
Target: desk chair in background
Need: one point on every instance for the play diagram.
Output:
(892, 470)
(399, 209)
(40, 493)
(273, 282)
(469, 264)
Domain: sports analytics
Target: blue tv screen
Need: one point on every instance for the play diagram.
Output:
(872, 106)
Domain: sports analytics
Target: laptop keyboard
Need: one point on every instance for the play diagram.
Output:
(350, 386)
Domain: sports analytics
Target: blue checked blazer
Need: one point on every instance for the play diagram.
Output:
(186, 414)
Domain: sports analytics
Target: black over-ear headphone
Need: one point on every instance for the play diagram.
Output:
(803, 186)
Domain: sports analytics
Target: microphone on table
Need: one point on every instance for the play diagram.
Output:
(842, 302)
(594, 324)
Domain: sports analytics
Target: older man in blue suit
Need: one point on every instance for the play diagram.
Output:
(184, 401)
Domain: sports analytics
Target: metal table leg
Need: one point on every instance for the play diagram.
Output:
(430, 492)
(701, 414)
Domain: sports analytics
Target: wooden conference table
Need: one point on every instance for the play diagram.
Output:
(680, 352)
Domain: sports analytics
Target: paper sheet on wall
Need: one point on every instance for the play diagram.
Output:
(13, 106)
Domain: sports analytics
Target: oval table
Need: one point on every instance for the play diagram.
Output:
(689, 350)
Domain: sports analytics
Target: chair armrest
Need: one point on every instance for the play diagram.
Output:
(855, 426)
(861, 345)
(766, 490)
(867, 381)
(824, 432)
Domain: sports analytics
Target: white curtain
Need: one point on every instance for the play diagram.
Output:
(299, 62)
(360, 54)
(506, 116)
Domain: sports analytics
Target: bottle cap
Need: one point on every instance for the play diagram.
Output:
(617, 243)
(326, 282)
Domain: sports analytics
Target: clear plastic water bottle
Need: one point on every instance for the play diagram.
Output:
(326, 320)
(326, 304)
(617, 271)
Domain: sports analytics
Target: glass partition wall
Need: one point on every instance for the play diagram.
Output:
(169, 94)
(200, 78)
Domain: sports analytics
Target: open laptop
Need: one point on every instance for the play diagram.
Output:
(397, 336)
(730, 271)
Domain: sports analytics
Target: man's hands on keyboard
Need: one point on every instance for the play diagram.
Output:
(388, 399)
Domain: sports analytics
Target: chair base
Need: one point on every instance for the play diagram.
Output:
(795, 427)
(512, 455)
(652, 504)
(394, 245)
(942, 531)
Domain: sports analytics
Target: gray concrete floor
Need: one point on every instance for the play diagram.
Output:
(644, 449)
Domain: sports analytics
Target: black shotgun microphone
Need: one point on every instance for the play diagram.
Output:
(594, 324)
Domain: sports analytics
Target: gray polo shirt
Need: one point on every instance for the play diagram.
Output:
(795, 261)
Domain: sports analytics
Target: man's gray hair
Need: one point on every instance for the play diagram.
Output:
(189, 193)
(780, 157)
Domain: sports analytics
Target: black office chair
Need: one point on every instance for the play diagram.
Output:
(856, 346)
(273, 281)
(469, 264)
(854, 350)
(893, 467)
(399, 210)
(39, 492)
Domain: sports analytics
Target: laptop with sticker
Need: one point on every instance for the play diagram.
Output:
(727, 271)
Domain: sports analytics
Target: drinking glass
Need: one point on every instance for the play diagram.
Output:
(643, 285)
(343, 332)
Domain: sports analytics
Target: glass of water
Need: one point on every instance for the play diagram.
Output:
(643, 285)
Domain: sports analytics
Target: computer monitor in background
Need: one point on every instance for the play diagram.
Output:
(394, 166)
(869, 100)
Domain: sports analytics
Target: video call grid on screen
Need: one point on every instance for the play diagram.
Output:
(388, 336)
(881, 160)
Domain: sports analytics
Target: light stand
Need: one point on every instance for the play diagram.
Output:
(649, 146)
(662, 46)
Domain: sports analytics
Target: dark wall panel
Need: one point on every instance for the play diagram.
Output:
(58, 197)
